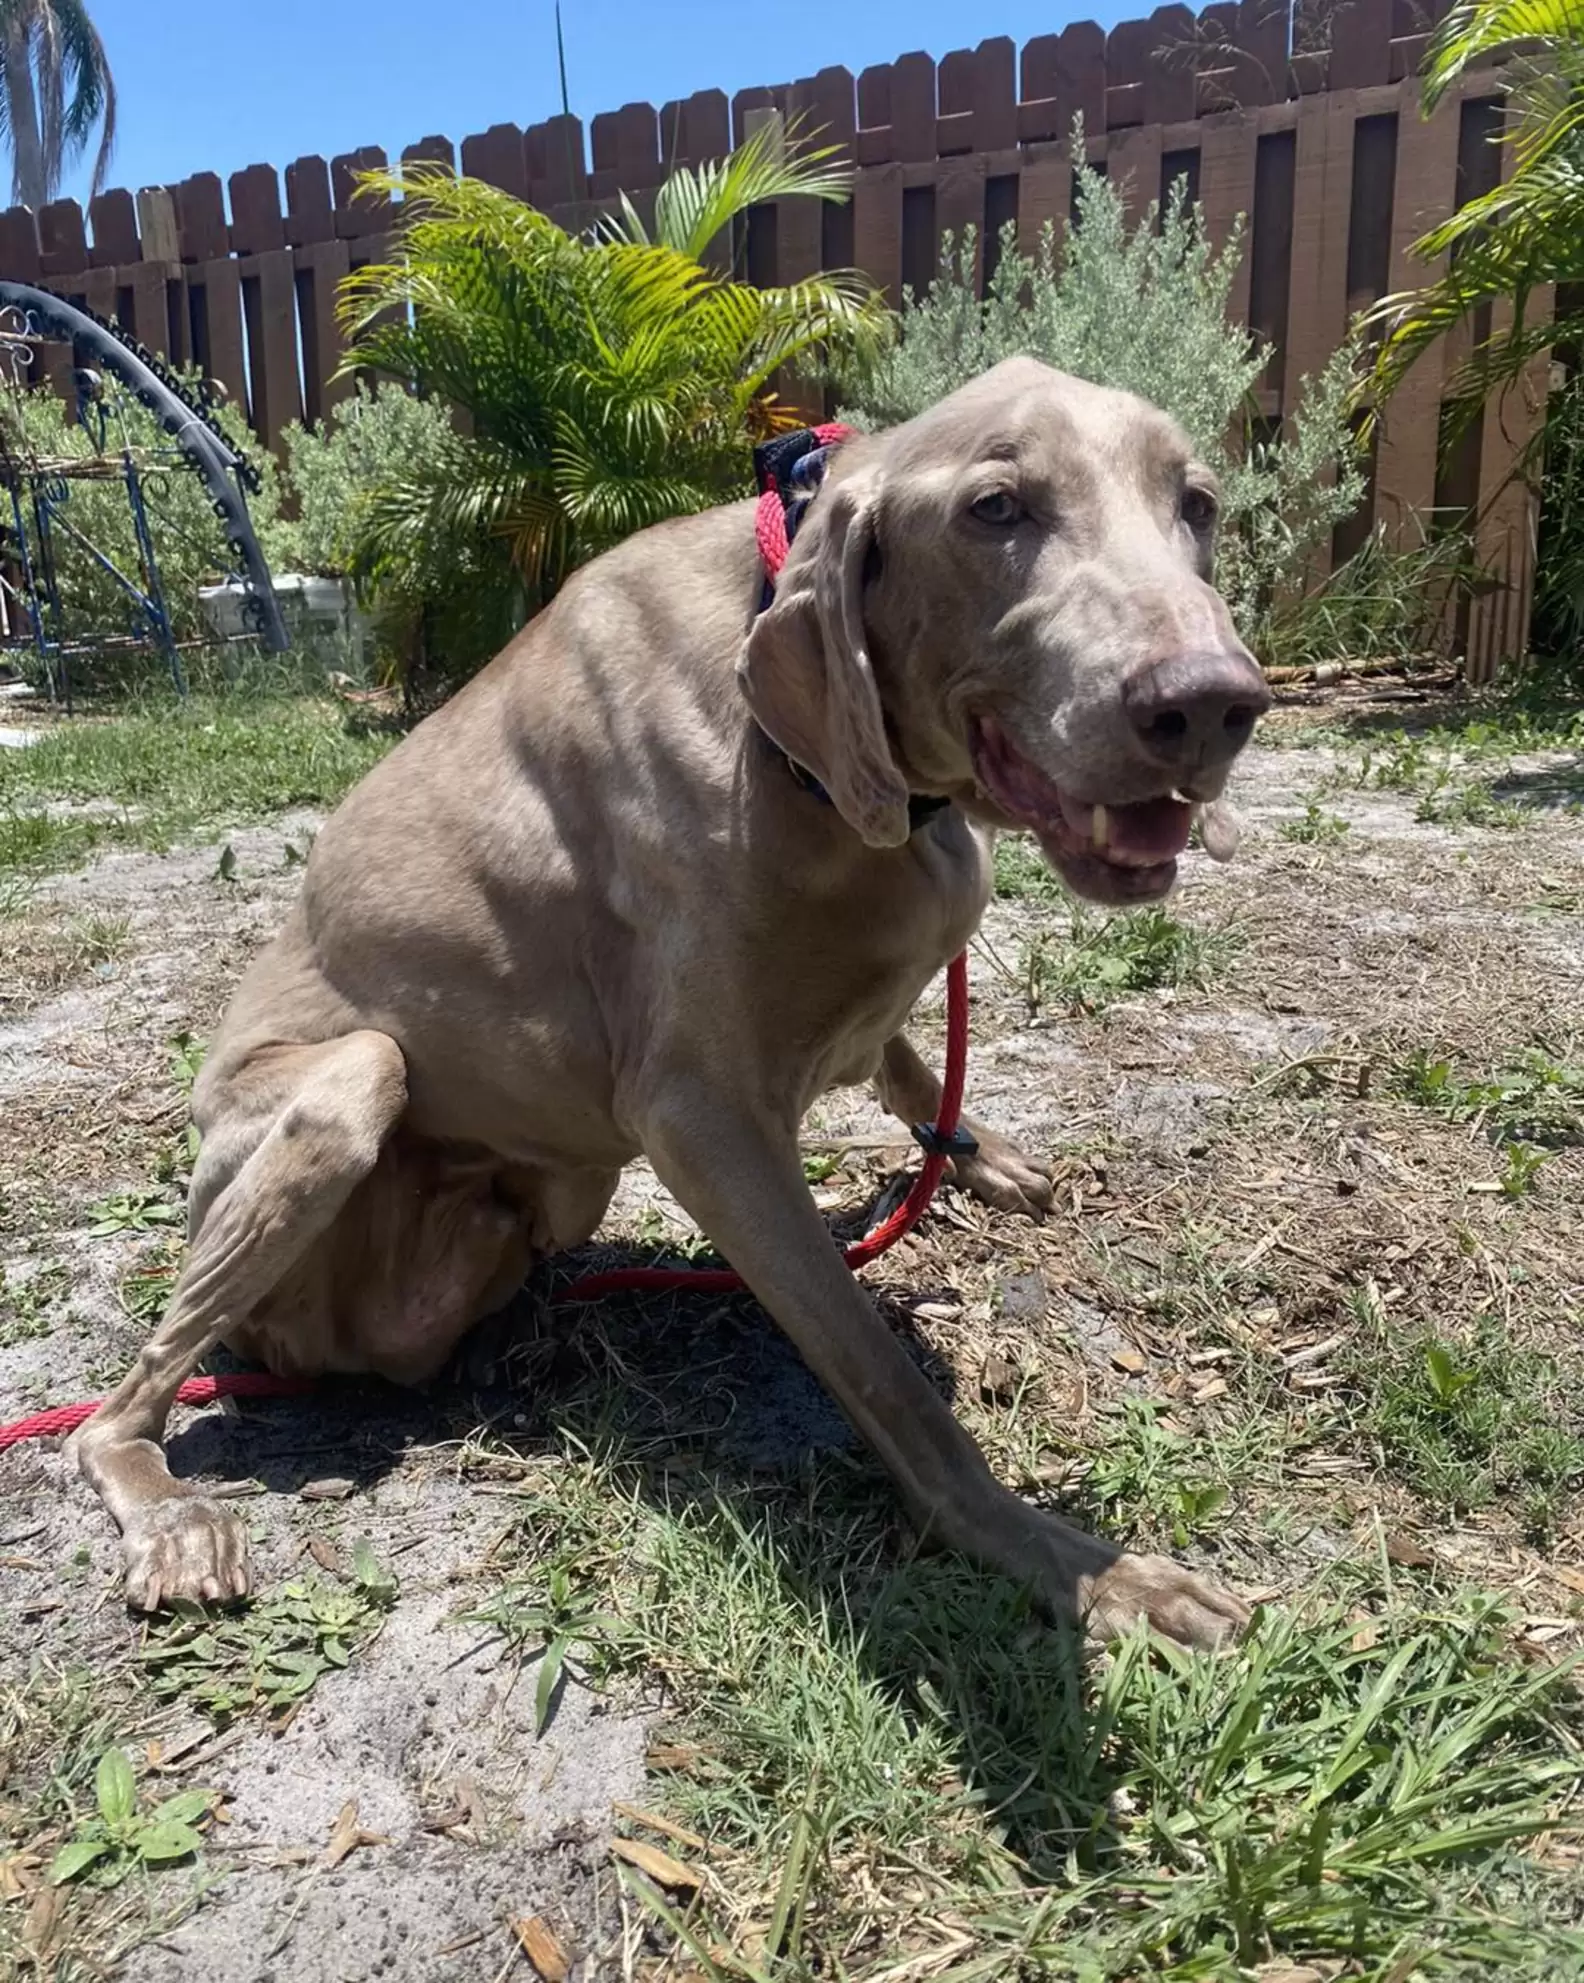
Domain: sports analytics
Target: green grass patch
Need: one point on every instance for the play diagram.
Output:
(31, 1302)
(1467, 1421)
(1022, 872)
(60, 1795)
(1102, 958)
(1534, 1095)
(1315, 827)
(172, 769)
(900, 1763)
(1475, 804)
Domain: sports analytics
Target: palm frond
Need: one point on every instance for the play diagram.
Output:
(93, 95)
(1526, 234)
(68, 74)
(697, 202)
(608, 382)
(1474, 29)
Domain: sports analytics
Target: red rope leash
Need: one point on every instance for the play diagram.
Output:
(196, 1391)
(771, 532)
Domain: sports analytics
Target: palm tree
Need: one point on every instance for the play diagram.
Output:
(606, 381)
(1525, 234)
(57, 87)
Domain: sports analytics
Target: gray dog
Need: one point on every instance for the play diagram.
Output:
(592, 908)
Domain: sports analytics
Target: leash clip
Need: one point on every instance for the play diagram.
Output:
(957, 1143)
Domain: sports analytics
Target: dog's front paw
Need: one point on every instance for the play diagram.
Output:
(1000, 1175)
(184, 1548)
(1171, 1599)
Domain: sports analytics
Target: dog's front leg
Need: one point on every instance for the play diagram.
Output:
(736, 1170)
(998, 1173)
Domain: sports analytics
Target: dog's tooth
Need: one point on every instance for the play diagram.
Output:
(1100, 827)
(1221, 830)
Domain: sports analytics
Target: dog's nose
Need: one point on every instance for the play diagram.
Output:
(1196, 710)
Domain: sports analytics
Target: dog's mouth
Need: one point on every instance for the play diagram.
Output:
(1110, 853)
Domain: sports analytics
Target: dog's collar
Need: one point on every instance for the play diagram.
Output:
(922, 806)
(793, 465)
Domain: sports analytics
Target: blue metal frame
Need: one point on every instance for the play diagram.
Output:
(198, 446)
(151, 617)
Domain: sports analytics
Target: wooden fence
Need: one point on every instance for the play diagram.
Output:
(1322, 147)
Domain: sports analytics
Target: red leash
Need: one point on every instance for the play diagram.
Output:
(771, 532)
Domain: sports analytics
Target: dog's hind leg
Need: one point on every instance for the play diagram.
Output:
(333, 1106)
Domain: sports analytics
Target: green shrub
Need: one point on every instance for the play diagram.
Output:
(332, 469)
(1142, 308)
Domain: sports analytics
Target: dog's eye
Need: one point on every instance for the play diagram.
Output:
(1198, 509)
(1001, 510)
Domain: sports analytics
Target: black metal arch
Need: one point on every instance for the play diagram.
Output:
(193, 430)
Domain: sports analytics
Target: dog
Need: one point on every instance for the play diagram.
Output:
(663, 873)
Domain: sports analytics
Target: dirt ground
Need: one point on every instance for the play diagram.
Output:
(1235, 1144)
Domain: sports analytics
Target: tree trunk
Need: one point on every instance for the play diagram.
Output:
(30, 185)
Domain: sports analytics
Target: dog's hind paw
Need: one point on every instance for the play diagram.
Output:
(186, 1548)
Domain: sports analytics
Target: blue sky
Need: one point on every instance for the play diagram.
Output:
(205, 87)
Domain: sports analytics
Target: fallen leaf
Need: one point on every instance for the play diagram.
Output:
(999, 1380)
(164, 1753)
(542, 1949)
(651, 1821)
(343, 1836)
(332, 1489)
(673, 1756)
(660, 1866)
(346, 1836)
(1128, 1360)
(42, 1920)
(16, 1874)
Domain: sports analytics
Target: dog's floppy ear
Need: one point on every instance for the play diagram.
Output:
(806, 671)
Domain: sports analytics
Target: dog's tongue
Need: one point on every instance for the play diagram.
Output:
(1141, 835)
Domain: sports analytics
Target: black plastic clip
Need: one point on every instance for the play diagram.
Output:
(959, 1143)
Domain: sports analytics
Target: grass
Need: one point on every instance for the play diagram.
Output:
(1475, 804)
(56, 1729)
(31, 1302)
(1466, 1422)
(896, 1770)
(1108, 957)
(1534, 1095)
(1315, 827)
(1399, 753)
(161, 771)
(1023, 873)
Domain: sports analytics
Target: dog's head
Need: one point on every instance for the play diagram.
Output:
(1008, 601)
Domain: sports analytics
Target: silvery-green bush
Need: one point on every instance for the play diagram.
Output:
(1145, 309)
(335, 468)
